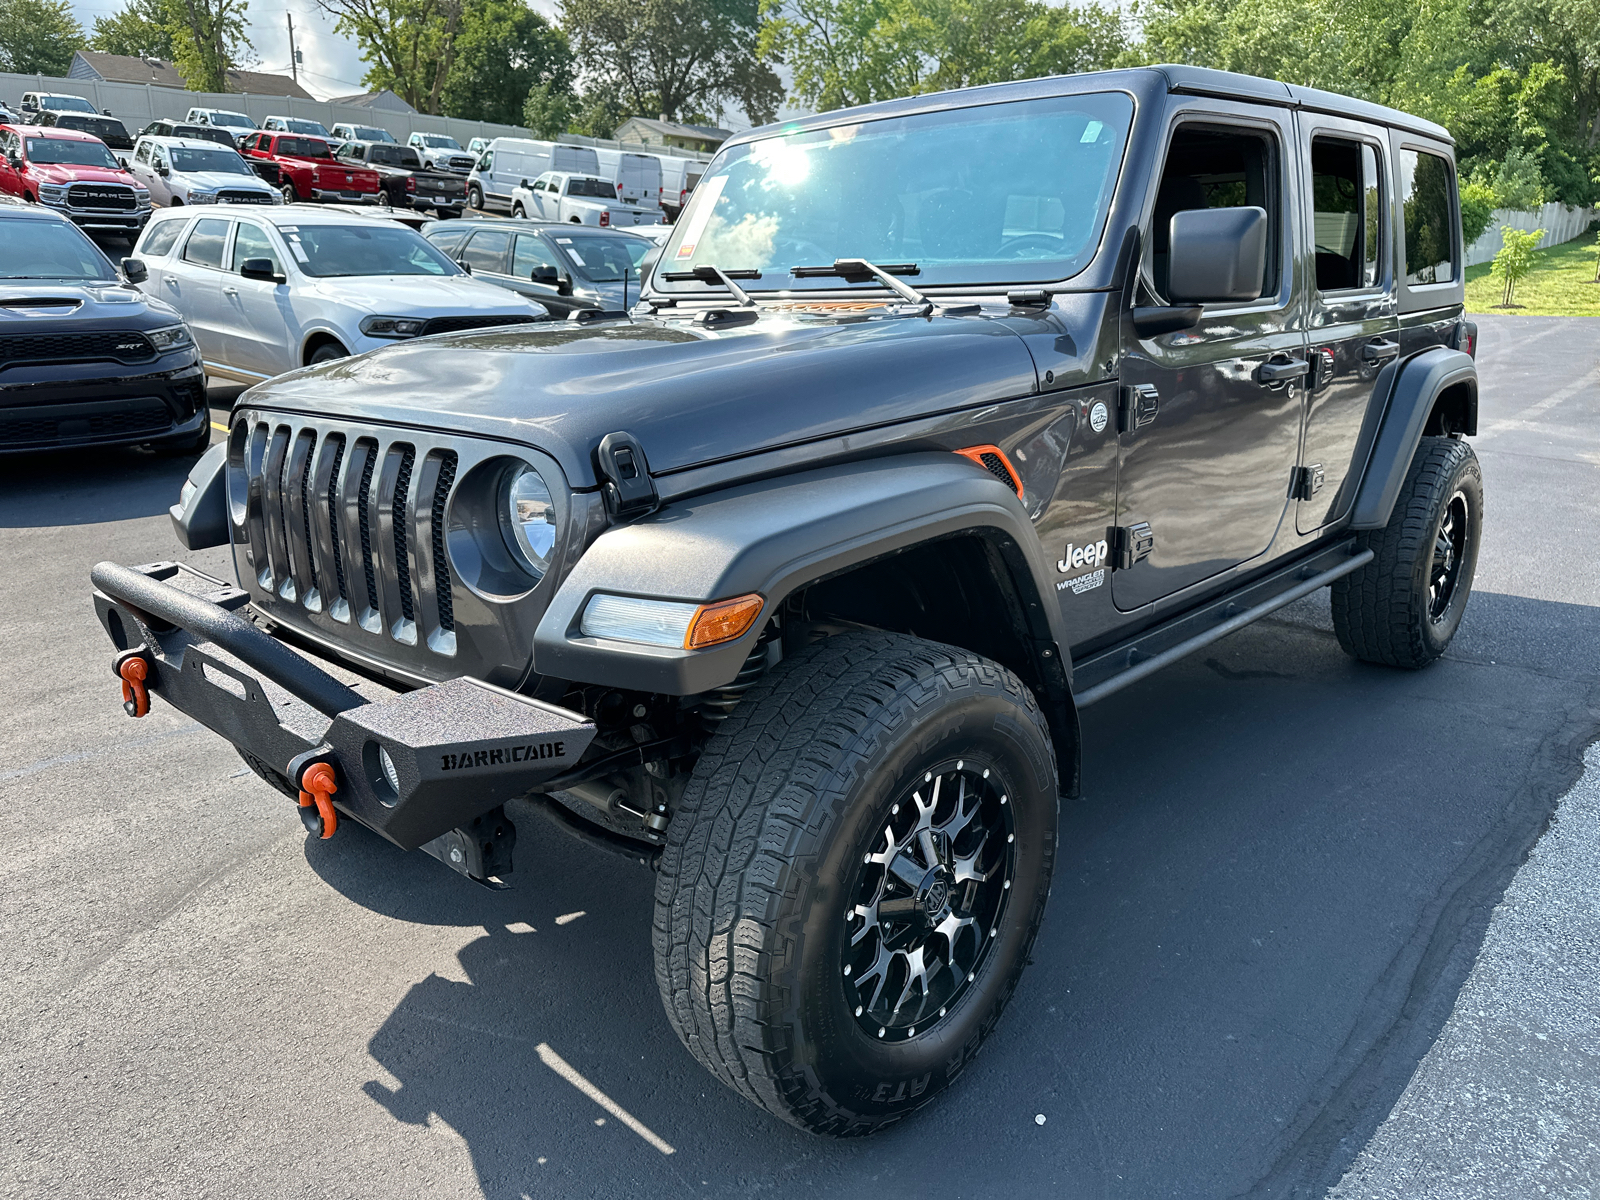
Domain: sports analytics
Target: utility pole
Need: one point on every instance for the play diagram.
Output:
(294, 59)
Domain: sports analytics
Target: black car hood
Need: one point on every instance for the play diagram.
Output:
(691, 395)
(32, 306)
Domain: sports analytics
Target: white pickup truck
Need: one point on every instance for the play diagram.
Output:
(580, 199)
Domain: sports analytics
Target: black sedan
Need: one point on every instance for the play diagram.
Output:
(564, 267)
(86, 360)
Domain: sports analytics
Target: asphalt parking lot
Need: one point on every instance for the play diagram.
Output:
(1266, 905)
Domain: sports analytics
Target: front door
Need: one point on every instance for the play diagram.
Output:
(1209, 442)
(1353, 322)
(257, 313)
(531, 253)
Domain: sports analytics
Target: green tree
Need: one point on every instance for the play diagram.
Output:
(208, 39)
(547, 111)
(141, 28)
(409, 46)
(680, 58)
(504, 50)
(845, 52)
(1477, 210)
(38, 36)
(1515, 260)
(1518, 185)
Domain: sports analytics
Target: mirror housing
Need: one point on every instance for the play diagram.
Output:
(548, 276)
(134, 270)
(1217, 255)
(262, 269)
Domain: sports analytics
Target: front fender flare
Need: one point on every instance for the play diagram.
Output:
(773, 537)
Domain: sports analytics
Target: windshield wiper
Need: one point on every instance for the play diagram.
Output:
(859, 270)
(714, 275)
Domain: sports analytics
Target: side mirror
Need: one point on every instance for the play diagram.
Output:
(163, 170)
(134, 270)
(1218, 255)
(527, 185)
(465, 266)
(16, 161)
(262, 269)
(564, 284)
(548, 276)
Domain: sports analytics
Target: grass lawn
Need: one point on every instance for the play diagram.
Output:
(1561, 284)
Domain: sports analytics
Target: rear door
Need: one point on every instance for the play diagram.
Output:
(1208, 441)
(193, 285)
(1353, 321)
(488, 253)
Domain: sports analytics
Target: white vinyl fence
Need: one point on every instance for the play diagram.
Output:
(137, 104)
(1559, 222)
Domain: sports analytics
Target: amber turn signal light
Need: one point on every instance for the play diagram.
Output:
(723, 621)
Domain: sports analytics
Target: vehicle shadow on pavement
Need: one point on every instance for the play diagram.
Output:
(88, 486)
(1264, 906)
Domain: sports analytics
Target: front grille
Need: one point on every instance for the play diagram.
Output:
(350, 527)
(243, 196)
(111, 197)
(122, 346)
(452, 324)
(151, 417)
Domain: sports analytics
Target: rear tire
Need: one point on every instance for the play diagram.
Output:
(1403, 608)
(784, 948)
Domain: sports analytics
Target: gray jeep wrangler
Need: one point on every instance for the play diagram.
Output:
(935, 422)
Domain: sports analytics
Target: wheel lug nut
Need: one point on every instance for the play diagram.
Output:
(986, 772)
(941, 1012)
(912, 1031)
(1008, 885)
(858, 1010)
(847, 968)
(880, 1031)
(1011, 837)
(960, 764)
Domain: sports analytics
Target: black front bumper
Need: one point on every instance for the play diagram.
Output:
(456, 750)
(132, 406)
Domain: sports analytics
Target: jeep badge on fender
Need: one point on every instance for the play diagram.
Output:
(933, 424)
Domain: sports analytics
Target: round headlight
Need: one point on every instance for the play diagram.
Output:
(528, 520)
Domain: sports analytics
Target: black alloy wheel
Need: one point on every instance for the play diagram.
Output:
(1450, 547)
(929, 900)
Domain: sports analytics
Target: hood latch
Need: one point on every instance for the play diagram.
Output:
(625, 477)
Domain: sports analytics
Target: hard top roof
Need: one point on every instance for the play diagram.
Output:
(1166, 77)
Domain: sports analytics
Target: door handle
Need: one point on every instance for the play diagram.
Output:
(171, 282)
(1380, 351)
(1282, 372)
(230, 291)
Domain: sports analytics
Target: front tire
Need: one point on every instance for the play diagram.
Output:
(475, 198)
(1403, 608)
(518, 212)
(854, 877)
(327, 352)
(287, 192)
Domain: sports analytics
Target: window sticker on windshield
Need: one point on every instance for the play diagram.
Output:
(1091, 133)
(707, 198)
(565, 241)
(289, 228)
(575, 256)
(298, 250)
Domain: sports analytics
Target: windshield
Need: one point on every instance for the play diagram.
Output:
(327, 250)
(598, 188)
(231, 119)
(66, 104)
(209, 160)
(394, 156)
(1014, 192)
(436, 140)
(371, 133)
(294, 147)
(602, 259)
(78, 154)
(50, 250)
(314, 128)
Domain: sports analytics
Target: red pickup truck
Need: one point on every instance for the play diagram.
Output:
(307, 170)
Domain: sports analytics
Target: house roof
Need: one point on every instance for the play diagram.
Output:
(383, 99)
(708, 133)
(125, 68)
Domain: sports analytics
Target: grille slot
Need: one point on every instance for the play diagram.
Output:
(441, 566)
(399, 511)
(350, 530)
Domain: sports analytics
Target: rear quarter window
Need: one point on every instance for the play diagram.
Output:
(1427, 192)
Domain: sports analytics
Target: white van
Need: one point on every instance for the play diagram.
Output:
(508, 161)
(637, 176)
(678, 178)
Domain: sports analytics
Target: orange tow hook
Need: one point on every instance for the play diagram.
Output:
(133, 671)
(316, 791)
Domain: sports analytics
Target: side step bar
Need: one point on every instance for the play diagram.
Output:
(1109, 671)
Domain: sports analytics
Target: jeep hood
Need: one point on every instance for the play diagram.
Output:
(689, 394)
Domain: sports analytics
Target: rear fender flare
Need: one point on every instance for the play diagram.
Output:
(1413, 390)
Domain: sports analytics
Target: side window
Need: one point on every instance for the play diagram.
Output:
(1427, 188)
(531, 252)
(1209, 167)
(1347, 213)
(487, 161)
(487, 250)
(251, 241)
(143, 153)
(161, 237)
(205, 244)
